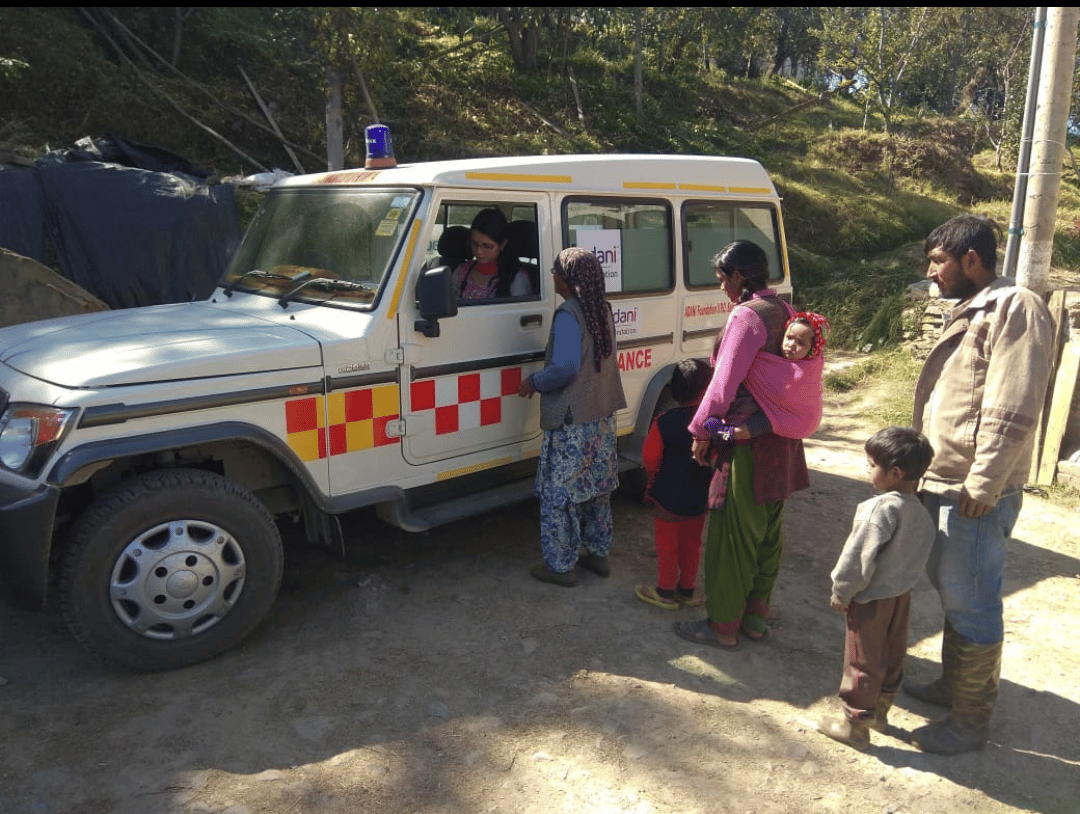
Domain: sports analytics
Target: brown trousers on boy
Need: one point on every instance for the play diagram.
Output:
(874, 650)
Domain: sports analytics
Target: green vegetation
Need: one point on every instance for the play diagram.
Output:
(1068, 497)
(895, 371)
(873, 129)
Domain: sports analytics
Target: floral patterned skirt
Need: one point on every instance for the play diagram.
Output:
(578, 462)
(578, 469)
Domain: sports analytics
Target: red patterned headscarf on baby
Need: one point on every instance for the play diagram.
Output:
(820, 326)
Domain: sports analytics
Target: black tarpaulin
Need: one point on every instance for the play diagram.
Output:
(129, 235)
(22, 222)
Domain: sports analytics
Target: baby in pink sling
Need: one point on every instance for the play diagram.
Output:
(783, 394)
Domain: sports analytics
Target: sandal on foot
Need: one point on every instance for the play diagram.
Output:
(648, 594)
(701, 632)
(755, 628)
(692, 600)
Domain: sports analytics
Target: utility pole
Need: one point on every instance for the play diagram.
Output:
(1023, 161)
(1048, 147)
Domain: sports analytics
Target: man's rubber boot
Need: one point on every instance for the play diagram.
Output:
(854, 732)
(939, 692)
(880, 721)
(975, 690)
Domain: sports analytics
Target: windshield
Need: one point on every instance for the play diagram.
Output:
(300, 235)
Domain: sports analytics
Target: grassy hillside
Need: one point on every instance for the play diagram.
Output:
(857, 202)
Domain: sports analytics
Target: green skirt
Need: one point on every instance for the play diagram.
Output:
(743, 547)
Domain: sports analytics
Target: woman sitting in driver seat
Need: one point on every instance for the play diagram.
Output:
(492, 273)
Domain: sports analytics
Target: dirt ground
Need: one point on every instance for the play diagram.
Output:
(431, 674)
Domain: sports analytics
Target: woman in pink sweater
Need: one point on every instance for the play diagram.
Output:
(744, 541)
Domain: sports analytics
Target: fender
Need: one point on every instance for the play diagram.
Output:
(64, 470)
(26, 527)
(631, 444)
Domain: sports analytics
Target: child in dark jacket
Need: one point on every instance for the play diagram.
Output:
(678, 491)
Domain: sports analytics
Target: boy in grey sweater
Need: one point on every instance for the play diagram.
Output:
(883, 557)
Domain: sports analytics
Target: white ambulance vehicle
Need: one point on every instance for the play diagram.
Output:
(147, 453)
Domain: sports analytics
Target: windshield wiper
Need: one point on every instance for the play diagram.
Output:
(328, 283)
(266, 275)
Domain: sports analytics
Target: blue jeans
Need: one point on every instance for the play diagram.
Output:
(967, 564)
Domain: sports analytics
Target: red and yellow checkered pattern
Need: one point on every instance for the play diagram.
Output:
(348, 421)
(466, 401)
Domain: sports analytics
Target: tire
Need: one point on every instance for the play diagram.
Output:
(171, 568)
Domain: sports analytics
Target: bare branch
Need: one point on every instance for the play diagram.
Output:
(550, 124)
(479, 38)
(847, 83)
(199, 87)
(269, 118)
(169, 99)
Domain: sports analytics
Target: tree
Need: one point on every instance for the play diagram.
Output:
(736, 37)
(878, 47)
(750, 41)
(988, 80)
(796, 45)
(522, 24)
(348, 43)
(180, 15)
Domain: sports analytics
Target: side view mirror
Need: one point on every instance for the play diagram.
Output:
(436, 298)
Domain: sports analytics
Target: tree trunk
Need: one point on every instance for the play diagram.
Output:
(639, 102)
(178, 32)
(523, 38)
(577, 96)
(531, 48)
(335, 152)
(364, 90)
(781, 55)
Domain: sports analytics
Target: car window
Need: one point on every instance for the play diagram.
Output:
(450, 243)
(631, 238)
(708, 226)
(346, 237)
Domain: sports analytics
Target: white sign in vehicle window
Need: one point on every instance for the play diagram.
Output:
(606, 244)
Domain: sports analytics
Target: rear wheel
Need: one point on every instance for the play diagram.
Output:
(169, 569)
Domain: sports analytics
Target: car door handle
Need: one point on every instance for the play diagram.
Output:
(532, 319)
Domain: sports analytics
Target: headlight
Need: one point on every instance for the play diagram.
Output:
(28, 435)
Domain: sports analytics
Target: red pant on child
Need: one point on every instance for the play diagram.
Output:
(678, 551)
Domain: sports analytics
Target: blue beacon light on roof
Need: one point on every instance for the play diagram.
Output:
(380, 147)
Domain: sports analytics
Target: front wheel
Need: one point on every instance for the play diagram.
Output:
(171, 568)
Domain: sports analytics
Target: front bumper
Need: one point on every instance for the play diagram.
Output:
(26, 527)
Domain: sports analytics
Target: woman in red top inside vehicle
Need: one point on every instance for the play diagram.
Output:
(492, 272)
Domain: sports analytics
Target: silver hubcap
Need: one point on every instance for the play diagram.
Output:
(177, 579)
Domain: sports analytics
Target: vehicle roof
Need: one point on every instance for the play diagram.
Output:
(577, 173)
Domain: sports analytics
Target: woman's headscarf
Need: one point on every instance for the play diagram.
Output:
(820, 326)
(583, 273)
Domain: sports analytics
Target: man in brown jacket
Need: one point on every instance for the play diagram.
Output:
(977, 400)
